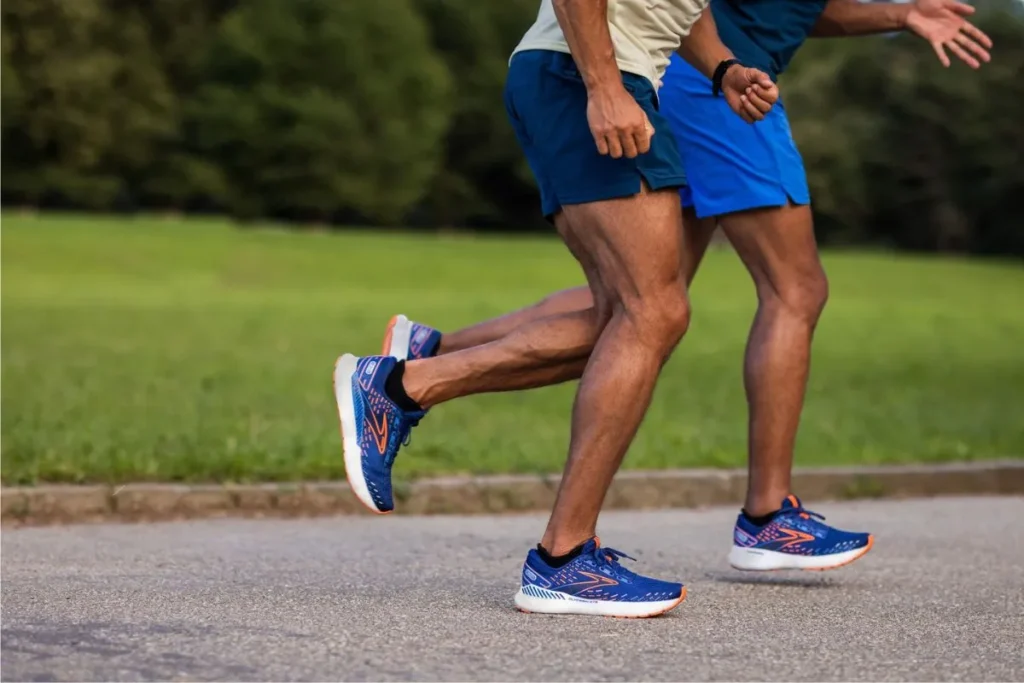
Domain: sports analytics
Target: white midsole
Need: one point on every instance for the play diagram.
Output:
(401, 337)
(600, 608)
(752, 559)
(344, 369)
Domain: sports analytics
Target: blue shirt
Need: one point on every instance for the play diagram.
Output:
(766, 33)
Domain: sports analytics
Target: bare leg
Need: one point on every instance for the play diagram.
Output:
(541, 348)
(778, 248)
(631, 250)
(546, 351)
(696, 237)
(565, 301)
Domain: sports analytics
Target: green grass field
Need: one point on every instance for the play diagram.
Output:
(190, 351)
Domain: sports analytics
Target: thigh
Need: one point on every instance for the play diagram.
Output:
(634, 245)
(599, 293)
(697, 234)
(777, 245)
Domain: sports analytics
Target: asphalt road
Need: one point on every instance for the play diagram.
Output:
(940, 597)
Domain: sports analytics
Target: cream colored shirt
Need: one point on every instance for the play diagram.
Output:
(645, 33)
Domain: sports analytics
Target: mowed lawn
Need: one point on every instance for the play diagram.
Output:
(151, 349)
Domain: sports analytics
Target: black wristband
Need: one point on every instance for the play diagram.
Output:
(716, 80)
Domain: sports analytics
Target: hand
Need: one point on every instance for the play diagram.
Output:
(619, 126)
(942, 23)
(749, 92)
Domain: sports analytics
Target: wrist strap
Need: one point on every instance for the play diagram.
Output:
(716, 80)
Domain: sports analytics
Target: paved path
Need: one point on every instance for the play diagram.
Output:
(941, 597)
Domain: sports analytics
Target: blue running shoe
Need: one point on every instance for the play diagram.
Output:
(406, 340)
(795, 538)
(373, 428)
(594, 583)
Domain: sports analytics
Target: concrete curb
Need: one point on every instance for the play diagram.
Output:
(489, 495)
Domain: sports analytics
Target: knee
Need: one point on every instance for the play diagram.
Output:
(802, 297)
(660, 319)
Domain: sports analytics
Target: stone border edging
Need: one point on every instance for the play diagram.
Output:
(489, 495)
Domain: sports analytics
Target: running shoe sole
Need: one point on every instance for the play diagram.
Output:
(397, 338)
(344, 369)
(551, 602)
(754, 560)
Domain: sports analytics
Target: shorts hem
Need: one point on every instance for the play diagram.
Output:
(705, 211)
(620, 191)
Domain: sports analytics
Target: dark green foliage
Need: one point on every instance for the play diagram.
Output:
(391, 111)
(485, 177)
(903, 152)
(88, 101)
(314, 106)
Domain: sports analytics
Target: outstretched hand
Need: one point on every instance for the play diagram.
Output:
(942, 23)
(749, 92)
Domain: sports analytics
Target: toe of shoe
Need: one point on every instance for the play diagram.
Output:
(843, 541)
(666, 590)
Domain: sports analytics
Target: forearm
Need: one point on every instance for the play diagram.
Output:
(854, 18)
(703, 49)
(585, 25)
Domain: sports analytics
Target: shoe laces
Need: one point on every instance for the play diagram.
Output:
(610, 556)
(407, 431)
(804, 513)
(405, 436)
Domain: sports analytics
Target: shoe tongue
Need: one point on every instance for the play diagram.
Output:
(791, 502)
(592, 545)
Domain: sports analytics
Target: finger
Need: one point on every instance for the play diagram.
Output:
(960, 8)
(940, 52)
(759, 77)
(643, 139)
(602, 144)
(751, 110)
(628, 144)
(771, 95)
(736, 104)
(642, 143)
(977, 34)
(614, 146)
(979, 52)
(762, 105)
(962, 54)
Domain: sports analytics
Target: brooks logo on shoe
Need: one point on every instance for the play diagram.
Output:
(792, 538)
(378, 430)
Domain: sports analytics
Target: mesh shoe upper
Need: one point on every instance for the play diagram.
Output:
(798, 531)
(383, 426)
(423, 341)
(596, 574)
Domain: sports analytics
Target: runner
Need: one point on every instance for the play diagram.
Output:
(581, 96)
(751, 181)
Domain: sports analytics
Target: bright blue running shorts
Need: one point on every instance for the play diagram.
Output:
(730, 165)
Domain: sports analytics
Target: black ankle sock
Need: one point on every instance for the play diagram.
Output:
(554, 561)
(760, 521)
(396, 391)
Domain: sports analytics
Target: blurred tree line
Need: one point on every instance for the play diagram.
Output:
(390, 111)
